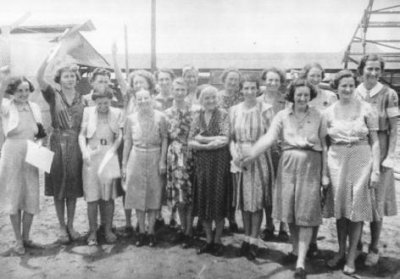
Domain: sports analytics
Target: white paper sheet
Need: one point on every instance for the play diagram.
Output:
(39, 156)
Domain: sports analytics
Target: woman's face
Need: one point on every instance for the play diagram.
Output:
(302, 96)
(314, 76)
(100, 83)
(249, 90)
(164, 81)
(372, 72)
(21, 94)
(143, 99)
(232, 81)
(179, 92)
(346, 88)
(272, 81)
(209, 100)
(191, 79)
(103, 104)
(68, 80)
(140, 82)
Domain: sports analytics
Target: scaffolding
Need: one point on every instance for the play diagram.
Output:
(377, 36)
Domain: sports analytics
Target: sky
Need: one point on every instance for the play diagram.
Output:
(204, 26)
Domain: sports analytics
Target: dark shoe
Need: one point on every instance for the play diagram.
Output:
(199, 231)
(128, 231)
(159, 224)
(252, 252)
(289, 259)
(152, 240)
(233, 227)
(313, 251)
(283, 236)
(187, 242)
(206, 248)
(100, 231)
(300, 273)
(141, 240)
(178, 237)
(32, 245)
(244, 249)
(173, 223)
(336, 262)
(268, 234)
(219, 249)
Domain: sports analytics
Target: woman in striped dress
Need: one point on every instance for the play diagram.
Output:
(353, 164)
(249, 121)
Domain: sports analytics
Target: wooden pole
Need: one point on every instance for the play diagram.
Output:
(126, 51)
(153, 36)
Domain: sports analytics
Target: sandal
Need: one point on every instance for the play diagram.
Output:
(92, 240)
(268, 234)
(283, 236)
(30, 244)
(336, 262)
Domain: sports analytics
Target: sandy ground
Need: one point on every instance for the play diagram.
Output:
(124, 260)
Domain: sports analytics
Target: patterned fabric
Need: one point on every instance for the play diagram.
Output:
(212, 177)
(248, 125)
(324, 99)
(179, 157)
(226, 101)
(19, 181)
(350, 162)
(65, 177)
(297, 190)
(162, 104)
(385, 102)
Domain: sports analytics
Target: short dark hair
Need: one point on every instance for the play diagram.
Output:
(279, 72)
(250, 78)
(69, 68)
(14, 82)
(99, 72)
(107, 93)
(370, 57)
(308, 67)
(341, 75)
(300, 82)
(229, 70)
(164, 70)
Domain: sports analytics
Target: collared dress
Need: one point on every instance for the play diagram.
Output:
(100, 136)
(212, 177)
(255, 182)
(65, 177)
(143, 181)
(19, 181)
(384, 101)
(179, 157)
(297, 186)
(350, 161)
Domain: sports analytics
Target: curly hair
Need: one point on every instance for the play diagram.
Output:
(14, 82)
(147, 76)
(106, 93)
(300, 82)
(99, 72)
(250, 78)
(69, 68)
(164, 70)
(341, 75)
(370, 57)
(281, 73)
(308, 67)
(226, 72)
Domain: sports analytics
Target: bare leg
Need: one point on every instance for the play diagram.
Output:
(182, 216)
(151, 217)
(16, 225)
(315, 234)
(354, 236)
(27, 219)
(128, 215)
(208, 228)
(92, 216)
(141, 220)
(102, 214)
(269, 222)
(305, 234)
(256, 219)
(189, 221)
(294, 232)
(60, 211)
(219, 227)
(108, 216)
(376, 228)
(341, 228)
(71, 206)
(246, 222)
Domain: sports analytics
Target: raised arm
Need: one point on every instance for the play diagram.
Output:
(4, 80)
(40, 73)
(127, 145)
(118, 73)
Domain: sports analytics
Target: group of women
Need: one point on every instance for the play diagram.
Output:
(206, 153)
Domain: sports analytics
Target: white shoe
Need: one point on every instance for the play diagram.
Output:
(371, 259)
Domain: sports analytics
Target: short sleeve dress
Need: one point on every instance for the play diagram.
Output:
(65, 177)
(350, 162)
(385, 103)
(212, 177)
(255, 182)
(226, 101)
(143, 180)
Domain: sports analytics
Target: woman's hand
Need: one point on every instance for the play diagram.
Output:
(374, 179)
(388, 162)
(162, 168)
(325, 182)
(215, 144)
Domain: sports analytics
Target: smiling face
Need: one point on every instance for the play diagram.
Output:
(164, 81)
(139, 83)
(372, 72)
(143, 99)
(302, 96)
(100, 83)
(103, 104)
(272, 81)
(249, 90)
(191, 79)
(68, 79)
(314, 76)
(179, 92)
(232, 81)
(21, 94)
(209, 99)
(346, 88)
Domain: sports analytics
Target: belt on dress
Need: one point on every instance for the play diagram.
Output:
(350, 144)
(150, 148)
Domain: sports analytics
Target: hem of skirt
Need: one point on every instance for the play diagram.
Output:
(12, 212)
(356, 219)
(299, 223)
